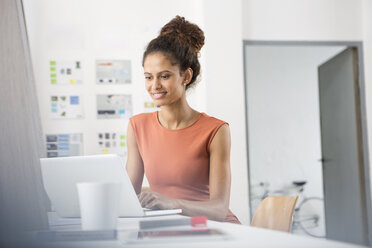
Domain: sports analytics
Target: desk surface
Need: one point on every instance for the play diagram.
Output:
(241, 236)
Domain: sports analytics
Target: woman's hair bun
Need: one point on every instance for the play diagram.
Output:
(180, 27)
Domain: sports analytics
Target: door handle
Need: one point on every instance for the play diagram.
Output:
(324, 160)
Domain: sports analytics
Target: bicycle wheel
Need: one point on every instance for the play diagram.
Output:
(310, 217)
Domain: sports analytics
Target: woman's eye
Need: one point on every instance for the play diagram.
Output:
(148, 78)
(165, 76)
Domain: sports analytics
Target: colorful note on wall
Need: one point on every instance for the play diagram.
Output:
(114, 106)
(65, 72)
(113, 72)
(66, 107)
(64, 145)
(150, 107)
(112, 142)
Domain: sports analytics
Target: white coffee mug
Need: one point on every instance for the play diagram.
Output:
(99, 204)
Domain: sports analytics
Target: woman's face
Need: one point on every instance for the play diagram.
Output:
(164, 82)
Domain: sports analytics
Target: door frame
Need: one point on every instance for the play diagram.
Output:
(359, 46)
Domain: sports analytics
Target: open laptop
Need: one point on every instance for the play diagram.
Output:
(60, 176)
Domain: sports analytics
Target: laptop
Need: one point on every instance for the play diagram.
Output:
(60, 176)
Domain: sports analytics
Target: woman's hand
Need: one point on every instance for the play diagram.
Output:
(152, 200)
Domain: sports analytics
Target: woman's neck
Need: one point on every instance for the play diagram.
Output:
(178, 115)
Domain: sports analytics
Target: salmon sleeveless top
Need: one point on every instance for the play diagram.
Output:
(176, 162)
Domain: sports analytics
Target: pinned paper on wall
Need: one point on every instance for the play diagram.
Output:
(113, 72)
(114, 106)
(64, 145)
(112, 142)
(150, 107)
(65, 72)
(66, 107)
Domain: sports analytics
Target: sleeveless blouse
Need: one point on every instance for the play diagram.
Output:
(176, 162)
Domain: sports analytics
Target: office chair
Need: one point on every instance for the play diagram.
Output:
(275, 212)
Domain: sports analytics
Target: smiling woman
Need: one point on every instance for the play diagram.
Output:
(185, 154)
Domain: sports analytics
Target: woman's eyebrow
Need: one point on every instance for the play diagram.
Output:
(160, 72)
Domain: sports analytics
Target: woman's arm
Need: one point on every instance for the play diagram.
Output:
(219, 184)
(134, 162)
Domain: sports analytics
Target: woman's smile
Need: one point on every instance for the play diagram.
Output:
(158, 95)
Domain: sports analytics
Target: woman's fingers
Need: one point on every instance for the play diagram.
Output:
(152, 200)
(148, 202)
(144, 195)
(153, 204)
(141, 196)
(146, 198)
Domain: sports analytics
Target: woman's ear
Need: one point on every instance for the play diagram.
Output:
(188, 76)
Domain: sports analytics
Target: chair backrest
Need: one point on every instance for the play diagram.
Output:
(275, 212)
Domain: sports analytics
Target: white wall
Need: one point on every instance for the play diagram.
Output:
(225, 89)
(302, 20)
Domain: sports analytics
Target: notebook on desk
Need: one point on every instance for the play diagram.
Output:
(60, 176)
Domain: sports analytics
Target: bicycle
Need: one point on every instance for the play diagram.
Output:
(308, 215)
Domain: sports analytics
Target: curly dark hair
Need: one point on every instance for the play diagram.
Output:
(180, 41)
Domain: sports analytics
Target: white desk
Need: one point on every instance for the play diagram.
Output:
(242, 236)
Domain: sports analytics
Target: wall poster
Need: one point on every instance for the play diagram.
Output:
(113, 72)
(65, 72)
(114, 106)
(64, 145)
(112, 142)
(66, 107)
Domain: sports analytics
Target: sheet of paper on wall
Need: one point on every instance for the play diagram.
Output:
(113, 72)
(112, 143)
(66, 107)
(65, 72)
(64, 145)
(150, 106)
(114, 106)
